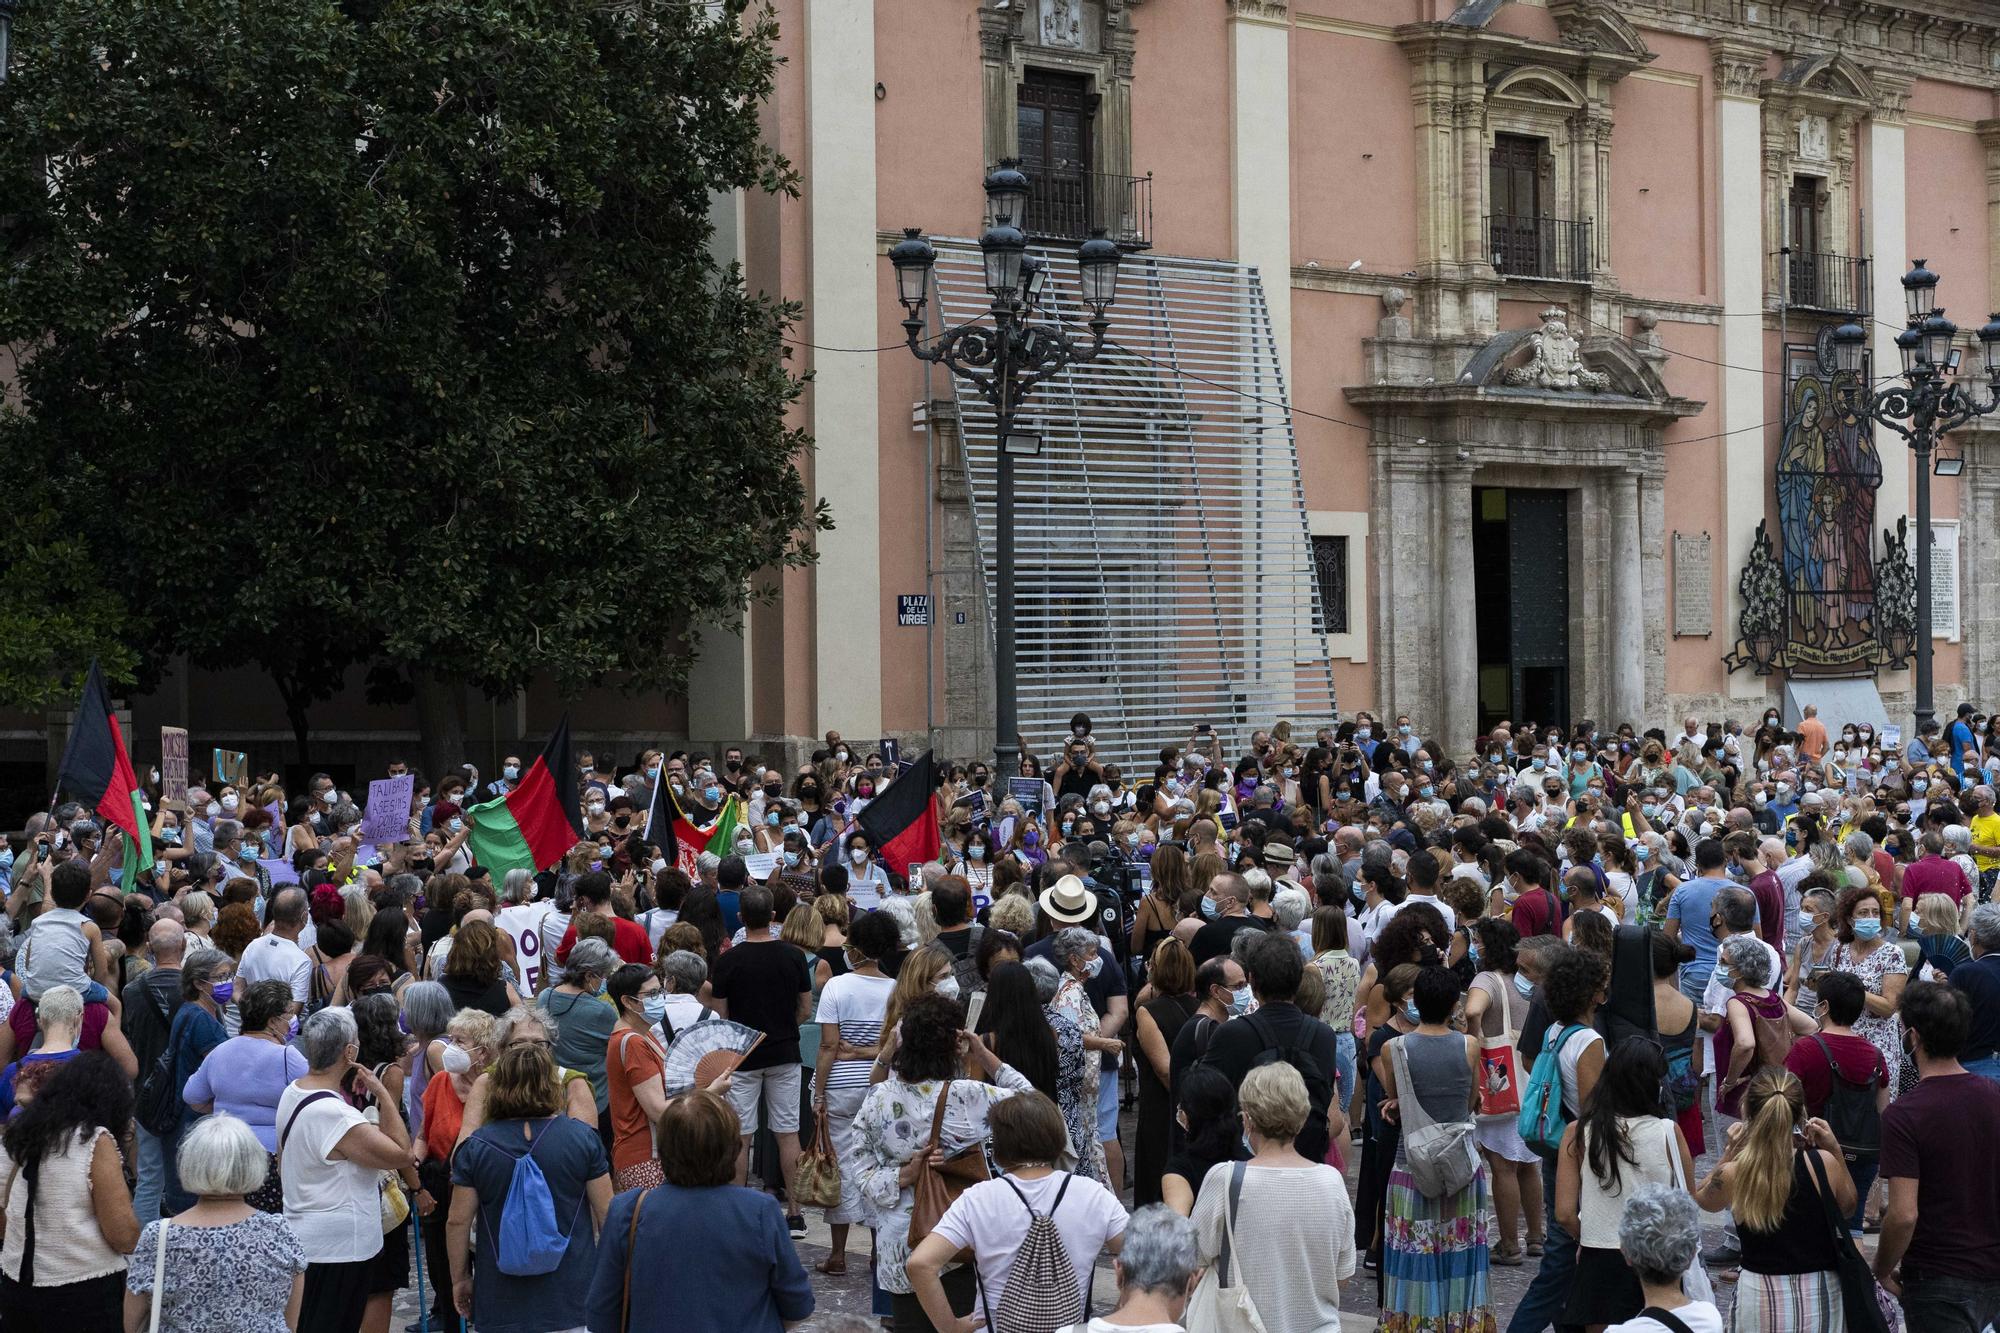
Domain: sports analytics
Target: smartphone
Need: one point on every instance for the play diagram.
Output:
(972, 1009)
(43, 855)
(916, 877)
(1203, 728)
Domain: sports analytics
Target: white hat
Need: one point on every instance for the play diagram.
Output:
(1068, 901)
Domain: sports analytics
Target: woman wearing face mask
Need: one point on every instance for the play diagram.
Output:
(635, 1064)
(207, 986)
(246, 1075)
(1076, 1066)
(1495, 1006)
(1857, 924)
(584, 1022)
(867, 882)
(1813, 956)
(465, 1048)
(1383, 1136)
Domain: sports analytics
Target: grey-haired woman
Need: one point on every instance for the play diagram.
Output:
(583, 1021)
(1660, 1235)
(228, 1268)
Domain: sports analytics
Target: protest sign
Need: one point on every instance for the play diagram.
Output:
(232, 766)
(388, 817)
(280, 870)
(1892, 738)
(1028, 791)
(174, 768)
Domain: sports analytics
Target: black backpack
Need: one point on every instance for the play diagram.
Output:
(1850, 1110)
(1313, 1138)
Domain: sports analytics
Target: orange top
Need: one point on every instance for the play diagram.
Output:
(630, 1060)
(444, 1113)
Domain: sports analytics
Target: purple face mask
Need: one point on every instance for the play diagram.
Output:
(1031, 839)
(1246, 788)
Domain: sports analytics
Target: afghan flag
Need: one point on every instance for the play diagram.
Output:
(535, 825)
(681, 840)
(902, 822)
(97, 770)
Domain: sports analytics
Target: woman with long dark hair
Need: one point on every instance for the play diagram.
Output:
(1211, 1132)
(1015, 1029)
(389, 940)
(1159, 1022)
(703, 910)
(1622, 1142)
(64, 1267)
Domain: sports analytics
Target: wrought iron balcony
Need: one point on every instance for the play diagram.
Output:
(1836, 284)
(1065, 205)
(1539, 247)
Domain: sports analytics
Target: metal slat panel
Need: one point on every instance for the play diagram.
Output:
(1163, 572)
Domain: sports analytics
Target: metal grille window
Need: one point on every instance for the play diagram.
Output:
(1330, 568)
(1164, 575)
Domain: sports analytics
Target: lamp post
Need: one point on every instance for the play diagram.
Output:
(1003, 358)
(1926, 406)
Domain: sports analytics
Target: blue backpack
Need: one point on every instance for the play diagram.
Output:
(1542, 1119)
(529, 1243)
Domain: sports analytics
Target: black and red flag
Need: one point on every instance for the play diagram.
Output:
(903, 821)
(96, 770)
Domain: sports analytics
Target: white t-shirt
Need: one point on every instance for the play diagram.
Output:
(1627, 890)
(330, 1203)
(275, 958)
(522, 924)
(1443, 907)
(1699, 1316)
(858, 1003)
(990, 1219)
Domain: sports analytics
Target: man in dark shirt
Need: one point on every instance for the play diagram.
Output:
(1537, 910)
(1274, 966)
(958, 936)
(1940, 1244)
(1230, 893)
(149, 1004)
(1759, 860)
(1980, 980)
(763, 983)
(1224, 995)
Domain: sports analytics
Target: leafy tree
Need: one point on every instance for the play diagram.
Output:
(390, 329)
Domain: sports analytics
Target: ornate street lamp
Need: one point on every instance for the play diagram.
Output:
(1003, 358)
(1928, 405)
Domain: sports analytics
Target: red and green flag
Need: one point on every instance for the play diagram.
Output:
(533, 826)
(680, 840)
(96, 770)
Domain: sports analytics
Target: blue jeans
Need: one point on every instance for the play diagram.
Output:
(1343, 1069)
(152, 1176)
(1863, 1170)
(1950, 1304)
(1549, 1292)
(1987, 1068)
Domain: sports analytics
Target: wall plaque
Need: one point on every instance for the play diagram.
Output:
(1694, 597)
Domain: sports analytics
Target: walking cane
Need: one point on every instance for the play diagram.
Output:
(417, 1261)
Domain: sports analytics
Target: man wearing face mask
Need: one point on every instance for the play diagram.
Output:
(1224, 994)
(1277, 1031)
(1226, 905)
(1076, 774)
(510, 773)
(764, 983)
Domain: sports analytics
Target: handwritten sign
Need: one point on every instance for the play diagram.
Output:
(174, 767)
(388, 816)
(232, 766)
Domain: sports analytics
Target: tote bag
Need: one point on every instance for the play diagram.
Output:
(1216, 1306)
(1500, 1063)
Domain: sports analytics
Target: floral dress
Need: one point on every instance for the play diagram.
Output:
(1076, 1093)
(1343, 980)
(228, 1279)
(1882, 1031)
(893, 1126)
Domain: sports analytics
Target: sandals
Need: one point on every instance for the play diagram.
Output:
(831, 1266)
(1534, 1248)
(1506, 1257)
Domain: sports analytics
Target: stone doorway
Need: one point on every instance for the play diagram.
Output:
(1520, 548)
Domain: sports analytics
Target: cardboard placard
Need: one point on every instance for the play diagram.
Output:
(388, 816)
(174, 768)
(232, 766)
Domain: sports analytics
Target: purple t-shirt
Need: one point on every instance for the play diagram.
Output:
(246, 1076)
(1924, 1137)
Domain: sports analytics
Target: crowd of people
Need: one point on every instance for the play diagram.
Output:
(1360, 1008)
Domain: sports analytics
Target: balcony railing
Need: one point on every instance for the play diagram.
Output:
(1539, 247)
(1837, 284)
(1068, 205)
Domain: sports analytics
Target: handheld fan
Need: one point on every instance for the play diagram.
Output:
(705, 1051)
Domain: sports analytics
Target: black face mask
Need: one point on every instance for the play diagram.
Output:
(774, 790)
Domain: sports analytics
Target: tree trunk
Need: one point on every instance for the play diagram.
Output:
(295, 711)
(440, 722)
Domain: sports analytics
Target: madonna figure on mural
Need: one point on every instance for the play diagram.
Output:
(1858, 471)
(1801, 467)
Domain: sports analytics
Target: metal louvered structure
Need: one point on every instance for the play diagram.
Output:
(1163, 573)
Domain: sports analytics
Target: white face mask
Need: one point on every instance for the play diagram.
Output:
(858, 855)
(230, 802)
(659, 864)
(595, 808)
(212, 810)
(456, 1060)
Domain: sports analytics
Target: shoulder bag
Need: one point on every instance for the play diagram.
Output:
(159, 1278)
(1499, 1062)
(1216, 1306)
(1442, 1156)
(1867, 1306)
(631, 1261)
(817, 1183)
(937, 1186)
(1696, 1284)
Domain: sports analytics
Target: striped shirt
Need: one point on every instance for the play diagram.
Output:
(857, 1003)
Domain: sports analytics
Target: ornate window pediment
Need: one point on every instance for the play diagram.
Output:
(1537, 83)
(1594, 26)
(1832, 77)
